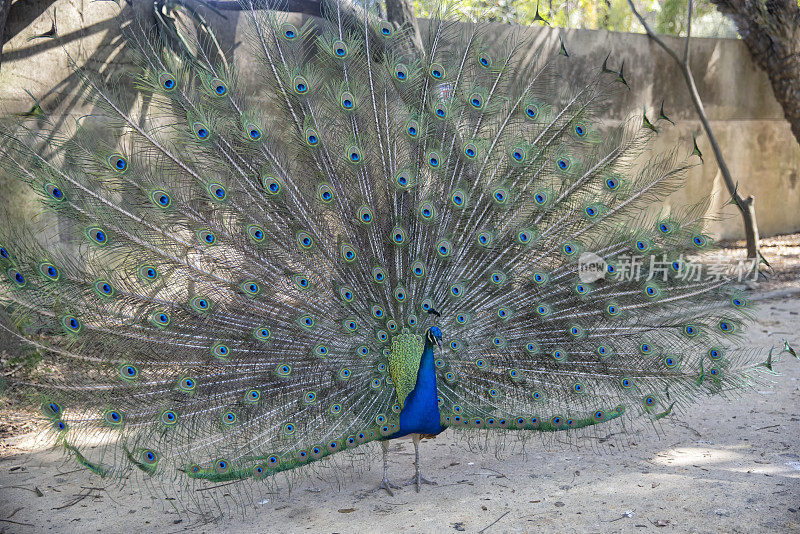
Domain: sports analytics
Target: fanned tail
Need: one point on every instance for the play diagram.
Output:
(238, 264)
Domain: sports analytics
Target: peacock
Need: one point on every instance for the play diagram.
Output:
(383, 242)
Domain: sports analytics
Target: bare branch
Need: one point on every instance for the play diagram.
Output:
(688, 31)
(745, 205)
(652, 34)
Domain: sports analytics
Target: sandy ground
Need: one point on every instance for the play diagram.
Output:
(723, 467)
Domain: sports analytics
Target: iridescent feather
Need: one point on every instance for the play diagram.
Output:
(246, 285)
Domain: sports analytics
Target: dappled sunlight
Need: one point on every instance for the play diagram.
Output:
(732, 458)
(682, 456)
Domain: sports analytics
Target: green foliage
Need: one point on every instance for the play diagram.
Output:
(671, 19)
(612, 15)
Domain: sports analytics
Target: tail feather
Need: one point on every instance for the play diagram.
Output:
(240, 264)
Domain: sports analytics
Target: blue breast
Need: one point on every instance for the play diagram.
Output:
(420, 412)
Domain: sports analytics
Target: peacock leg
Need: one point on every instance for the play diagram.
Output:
(386, 484)
(418, 478)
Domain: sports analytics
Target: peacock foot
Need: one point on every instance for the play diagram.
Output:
(419, 480)
(388, 486)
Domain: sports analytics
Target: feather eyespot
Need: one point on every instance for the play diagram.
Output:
(54, 191)
(403, 179)
(458, 198)
(169, 417)
(412, 129)
(339, 49)
(304, 240)
(229, 418)
(300, 85)
(221, 351)
(49, 272)
(306, 321)
(113, 417)
(167, 81)
(312, 137)
(148, 273)
(251, 288)
(288, 31)
(200, 131)
(418, 269)
(117, 162)
(187, 384)
(103, 288)
(365, 215)
(348, 255)
(161, 199)
(354, 154)
(271, 185)
(97, 235)
(500, 195)
(207, 236)
(346, 293)
(325, 193)
(444, 248)
(348, 101)
(217, 191)
(427, 211)
(476, 100)
(128, 372)
(218, 87)
(253, 132)
(471, 150)
(71, 324)
(398, 235)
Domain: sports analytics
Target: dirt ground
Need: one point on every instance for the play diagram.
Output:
(722, 467)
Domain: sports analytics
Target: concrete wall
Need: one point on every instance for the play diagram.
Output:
(760, 150)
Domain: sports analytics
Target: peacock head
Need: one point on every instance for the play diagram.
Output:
(435, 335)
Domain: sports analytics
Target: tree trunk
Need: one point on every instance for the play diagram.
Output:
(5, 7)
(401, 12)
(771, 31)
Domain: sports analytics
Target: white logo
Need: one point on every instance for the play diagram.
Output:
(591, 267)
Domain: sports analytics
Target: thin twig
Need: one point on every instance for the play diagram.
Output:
(75, 501)
(481, 531)
(16, 522)
(217, 486)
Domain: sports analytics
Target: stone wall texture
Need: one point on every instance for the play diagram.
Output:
(760, 150)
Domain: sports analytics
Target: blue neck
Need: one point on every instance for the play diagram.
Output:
(420, 412)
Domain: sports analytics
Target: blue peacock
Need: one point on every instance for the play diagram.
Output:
(384, 243)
